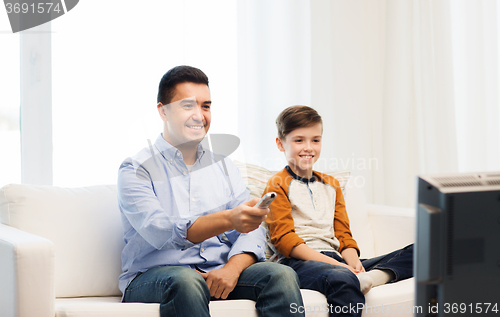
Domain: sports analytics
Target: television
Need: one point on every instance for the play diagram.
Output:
(457, 245)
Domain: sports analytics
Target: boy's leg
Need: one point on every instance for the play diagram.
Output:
(338, 284)
(274, 287)
(400, 262)
(365, 282)
(180, 291)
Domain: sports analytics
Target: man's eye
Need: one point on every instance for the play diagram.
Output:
(188, 105)
(206, 107)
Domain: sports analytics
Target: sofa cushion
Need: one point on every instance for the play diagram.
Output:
(386, 300)
(85, 226)
(255, 177)
(111, 306)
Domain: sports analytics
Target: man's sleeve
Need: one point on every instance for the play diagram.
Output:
(341, 221)
(253, 242)
(139, 204)
(280, 221)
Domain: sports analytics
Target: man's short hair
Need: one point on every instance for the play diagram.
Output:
(296, 117)
(178, 75)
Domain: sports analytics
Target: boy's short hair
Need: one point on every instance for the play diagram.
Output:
(296, 117)
(178, 75)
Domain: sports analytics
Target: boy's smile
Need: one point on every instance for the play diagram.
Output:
(302, 148)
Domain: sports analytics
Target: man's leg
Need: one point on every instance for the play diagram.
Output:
(180, 291)
(274, 287)
(338, 284)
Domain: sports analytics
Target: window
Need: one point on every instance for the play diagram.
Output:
(108, 58)
(10, 139)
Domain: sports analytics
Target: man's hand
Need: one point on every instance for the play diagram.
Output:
(221, 282)
(245, 218)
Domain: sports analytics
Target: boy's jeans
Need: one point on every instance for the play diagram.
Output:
(183, 292)
(341, 286)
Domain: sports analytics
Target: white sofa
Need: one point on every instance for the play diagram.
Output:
(60, 253)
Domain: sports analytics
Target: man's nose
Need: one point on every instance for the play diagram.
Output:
(197, 115)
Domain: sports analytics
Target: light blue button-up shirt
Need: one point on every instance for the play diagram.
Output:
(159, 199)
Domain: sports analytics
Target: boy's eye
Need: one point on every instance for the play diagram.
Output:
(298, 141)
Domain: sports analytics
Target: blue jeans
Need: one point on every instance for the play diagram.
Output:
(340, 285)
(182, 291)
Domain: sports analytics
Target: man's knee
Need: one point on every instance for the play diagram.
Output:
(279, 272)
(181, 280)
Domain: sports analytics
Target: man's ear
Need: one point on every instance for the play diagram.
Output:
(162, 111)
(280, 145)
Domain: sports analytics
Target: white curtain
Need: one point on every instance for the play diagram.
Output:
(476, 36)
(404, 87)
(274, 58)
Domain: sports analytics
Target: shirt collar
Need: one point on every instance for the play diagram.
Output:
(302, 179)
(170, 152)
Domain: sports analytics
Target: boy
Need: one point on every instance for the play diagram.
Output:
(308, 223)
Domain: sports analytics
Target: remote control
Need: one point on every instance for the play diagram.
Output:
(266, 200)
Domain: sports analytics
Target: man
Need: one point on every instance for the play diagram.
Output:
(191, 233)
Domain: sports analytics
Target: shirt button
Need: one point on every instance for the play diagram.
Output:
(184, 173)
(192, 199)
(178, 154)
(203, 250)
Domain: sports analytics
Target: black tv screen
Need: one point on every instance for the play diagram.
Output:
(457, 247)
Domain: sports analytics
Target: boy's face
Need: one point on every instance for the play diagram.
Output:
(187, 118)
(302, 148)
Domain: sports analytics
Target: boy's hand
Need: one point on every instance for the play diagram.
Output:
(335, 262)
(350, 256)
(246, 218)
(358, 267)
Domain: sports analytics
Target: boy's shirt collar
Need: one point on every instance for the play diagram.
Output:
(302, 179)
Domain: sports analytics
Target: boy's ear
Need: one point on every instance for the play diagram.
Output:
(280, 145)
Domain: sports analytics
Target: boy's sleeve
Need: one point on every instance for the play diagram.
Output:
(341, 222)
(280, 220)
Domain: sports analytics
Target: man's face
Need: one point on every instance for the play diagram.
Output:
(187, 118)
(302, 148)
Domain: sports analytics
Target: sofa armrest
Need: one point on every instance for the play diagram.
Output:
(27, 279)
(393, 227)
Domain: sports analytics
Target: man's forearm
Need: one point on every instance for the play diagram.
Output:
(243, 218)
(209, 226)
(240, 262)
